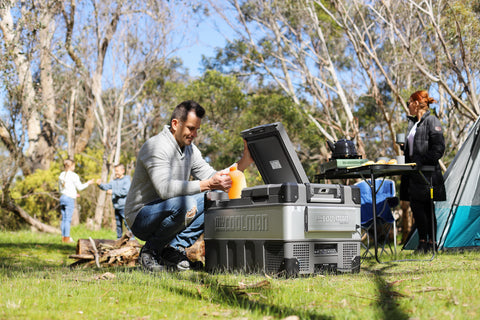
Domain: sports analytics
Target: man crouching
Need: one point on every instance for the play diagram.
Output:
(164, 207)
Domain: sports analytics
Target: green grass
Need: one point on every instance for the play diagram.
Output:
(36, 283)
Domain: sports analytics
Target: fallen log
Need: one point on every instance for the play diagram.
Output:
(82, 256)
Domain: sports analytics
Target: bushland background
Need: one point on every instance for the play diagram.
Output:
(93, 80)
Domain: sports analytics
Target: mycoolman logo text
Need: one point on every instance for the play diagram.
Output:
(332, 219)
(254, 222)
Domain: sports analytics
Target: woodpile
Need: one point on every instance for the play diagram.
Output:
(122, 252)
(106, 253)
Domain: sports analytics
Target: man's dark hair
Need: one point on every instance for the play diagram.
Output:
(183, 109)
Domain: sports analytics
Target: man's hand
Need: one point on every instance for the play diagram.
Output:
(220, 181)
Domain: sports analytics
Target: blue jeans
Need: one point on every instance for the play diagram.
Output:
(67, 205)
(177, 222)
(120, 218)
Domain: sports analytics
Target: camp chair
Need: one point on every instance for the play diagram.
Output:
(386, 201)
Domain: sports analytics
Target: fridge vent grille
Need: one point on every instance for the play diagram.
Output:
(349, 252)
(302, 253)
(273, 256)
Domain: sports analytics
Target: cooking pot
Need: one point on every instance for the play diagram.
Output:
(343, 149)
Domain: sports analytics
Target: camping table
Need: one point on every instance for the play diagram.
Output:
(372, 172)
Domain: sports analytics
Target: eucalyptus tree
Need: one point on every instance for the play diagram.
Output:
(332, 57)
(302, 52)
(27, 30)
(127, 40)
(74, 69)
(28, 120)
(410, 45)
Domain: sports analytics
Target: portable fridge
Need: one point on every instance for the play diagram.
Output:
(287, 226)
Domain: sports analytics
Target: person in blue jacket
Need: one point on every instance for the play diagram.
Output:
(118, 188)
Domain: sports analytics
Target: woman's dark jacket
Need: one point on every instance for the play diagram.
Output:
(428, 148)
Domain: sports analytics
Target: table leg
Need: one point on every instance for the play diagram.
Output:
(374, 212)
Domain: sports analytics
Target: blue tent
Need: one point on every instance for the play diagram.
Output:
(458, 218)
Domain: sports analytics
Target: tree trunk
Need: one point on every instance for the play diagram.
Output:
(99, 210)
(102, 197)
(76, 215)
(46, 144)
(109, 214)
(10, 205)
(71, 124)
(82, 141)
(40, 149)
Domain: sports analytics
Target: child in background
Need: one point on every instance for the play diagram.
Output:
(68, 184)
(118, 189)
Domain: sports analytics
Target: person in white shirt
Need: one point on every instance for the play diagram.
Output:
(68, 184)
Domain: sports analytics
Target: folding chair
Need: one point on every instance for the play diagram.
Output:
(386, 201)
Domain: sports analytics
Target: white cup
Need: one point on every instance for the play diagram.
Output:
(400, 138)
(400, 159)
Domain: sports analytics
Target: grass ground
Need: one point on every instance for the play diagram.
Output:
(36, 283)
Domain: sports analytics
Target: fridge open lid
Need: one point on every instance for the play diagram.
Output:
(274, 154)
